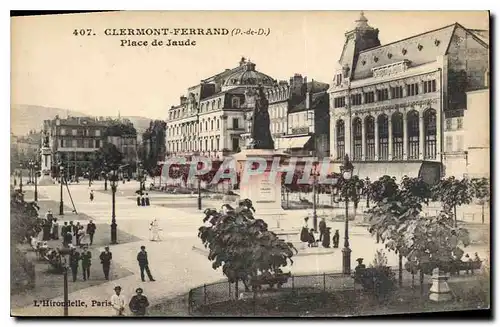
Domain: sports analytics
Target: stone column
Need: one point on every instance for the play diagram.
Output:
(405, 136)
(363, 139)
(421, 137)
(389, 123)
(405, 89)
(376, 138)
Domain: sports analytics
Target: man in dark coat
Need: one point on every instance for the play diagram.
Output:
(142, 259)
(143, 201)
(105, 258)
(74, 258)
(138, 200)
(336, 238)
(68, 238)
(47, 230)
(147, 200)
(138, 303)
(326, 238)
(76, 228)
(86, 263)
(71, 227)
(322, 229)
(91, 228)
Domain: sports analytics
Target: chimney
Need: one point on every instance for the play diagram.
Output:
(296, 83)
(308, 100)
(183, 100)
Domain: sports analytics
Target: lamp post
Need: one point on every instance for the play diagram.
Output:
(367, 191)
(61, 180)
(315, 213)
(30, 172)
(346, 170)
(65, 285)
(21, 177)
(113, 177)
(35, 169)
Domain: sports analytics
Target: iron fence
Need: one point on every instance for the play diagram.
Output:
(220, 292)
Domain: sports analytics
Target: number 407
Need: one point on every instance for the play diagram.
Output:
(83, 32)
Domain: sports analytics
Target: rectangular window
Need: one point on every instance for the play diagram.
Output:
(97, 143)
(382, 95)
(369, 97)
(62, 143)
(79, 143)
(63, 131)
(460, 123)
(356, 99)
(430, 86)
(460, 143)
(339, 102)
(449, 143)
(338, 79)
(73, 142)
(235, 123)
(97, 132)
(397, 92)
(449, 124)
(411, 89)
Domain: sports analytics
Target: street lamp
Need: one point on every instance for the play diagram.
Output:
(21, 177)
(200, 165)
(346, 170)
(35, 169)
(315, 214)
(61, 180)
(367, 191)
(30, 172)
(113, 177)
(65, 266)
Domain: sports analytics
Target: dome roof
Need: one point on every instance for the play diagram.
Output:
(247, 75)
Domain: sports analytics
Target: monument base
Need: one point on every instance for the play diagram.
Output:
(46, 180)
(440, 291)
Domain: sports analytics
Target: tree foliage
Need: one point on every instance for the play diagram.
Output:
(242, 244)
(120, 129)
(24, 218)
(153, 147)
(107, 157)
(481, 188)
(452, 193)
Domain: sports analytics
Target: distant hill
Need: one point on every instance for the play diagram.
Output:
(24, 118)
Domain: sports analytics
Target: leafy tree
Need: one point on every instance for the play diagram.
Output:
(24, 218)
(242, 245)
(107, 158)
(153, 144)
(120, 129)
(452, 193)
(481, 191)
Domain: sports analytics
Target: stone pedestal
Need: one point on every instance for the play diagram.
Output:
(264, 193)
(440, 291)
(45, 167)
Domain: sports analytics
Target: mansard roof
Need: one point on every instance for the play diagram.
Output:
(419, 49)
(317, 101)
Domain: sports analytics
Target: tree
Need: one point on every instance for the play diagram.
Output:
(481, 191)
(242, 245)
(107, 158)
(452, 193)
(24, 218)
(153, 143)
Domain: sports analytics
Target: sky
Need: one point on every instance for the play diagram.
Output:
(94, 74)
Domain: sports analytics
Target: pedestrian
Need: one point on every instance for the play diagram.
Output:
(47, 230)
(143, 201)
(91, 228)
(76, 228)
(105, 258)
(86, 263)
(49, 216)
(79, 236)
(155, 230)
(91, 195)
(138, 200)
(312, 243)
(322, 229)
(118, 302)
(55, 229)
(142, 259)
(304, 233)
(138, 303)
(147, 200)
(326, 238)
(336, 239)
(74, 258)
(68, 238)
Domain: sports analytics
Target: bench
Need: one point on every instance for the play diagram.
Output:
(271, 280)
(458, 266)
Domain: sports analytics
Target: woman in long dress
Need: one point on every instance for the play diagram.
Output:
(155, 230)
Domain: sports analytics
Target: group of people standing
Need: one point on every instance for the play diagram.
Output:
(50, 227)
(78, 233)
(138, 303)
(307, 235)
(143, 200)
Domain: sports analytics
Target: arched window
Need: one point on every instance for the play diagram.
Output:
(235, 101)
(397, 136)
(358, 138)
(383, 137)
(211, 125)
(218, 124)
(213, 105)
(206, 126)
(413, 134)
(370, 138)
(219, 103)
(340, 129)
(430, 134)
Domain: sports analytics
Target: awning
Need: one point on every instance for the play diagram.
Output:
(293, 142)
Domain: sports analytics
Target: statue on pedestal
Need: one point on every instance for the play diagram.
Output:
(260, 132)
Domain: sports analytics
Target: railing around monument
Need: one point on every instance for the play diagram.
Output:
(221, 292)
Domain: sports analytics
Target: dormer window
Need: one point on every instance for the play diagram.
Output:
(338, 79)
(235, 101)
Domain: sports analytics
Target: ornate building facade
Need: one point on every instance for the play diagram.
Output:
(389, 103)
(211, 119)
